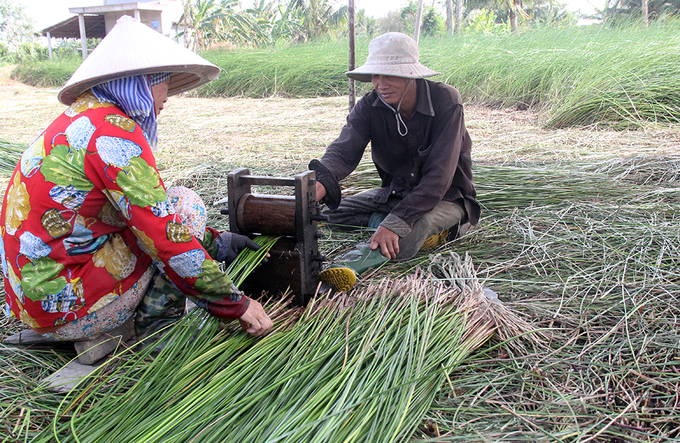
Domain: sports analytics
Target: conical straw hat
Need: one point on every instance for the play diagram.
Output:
(131, 48)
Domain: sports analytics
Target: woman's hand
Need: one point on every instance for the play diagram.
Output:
(255, 321)
(230, 244)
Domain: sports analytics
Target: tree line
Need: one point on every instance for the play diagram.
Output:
(208, 23)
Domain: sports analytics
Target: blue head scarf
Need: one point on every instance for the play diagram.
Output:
(134, 97)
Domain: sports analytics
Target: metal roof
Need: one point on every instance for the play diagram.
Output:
(142, 6)
(94, 27)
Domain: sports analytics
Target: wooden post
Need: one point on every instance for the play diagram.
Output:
(419, 16)
(83, 35)
(352, 54)
(49, 44)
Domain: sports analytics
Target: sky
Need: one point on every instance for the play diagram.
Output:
(49, 12)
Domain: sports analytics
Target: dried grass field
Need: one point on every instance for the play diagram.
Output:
(580, 235)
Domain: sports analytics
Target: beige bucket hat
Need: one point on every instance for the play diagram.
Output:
(393, 54)
(131, 48)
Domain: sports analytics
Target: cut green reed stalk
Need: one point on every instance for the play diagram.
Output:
(247, 260)
(604, 277)
(597, 264)
(652, 170)
(502, 188)
(196, 350)
(361, 367)
(10, 153)
(21, 370)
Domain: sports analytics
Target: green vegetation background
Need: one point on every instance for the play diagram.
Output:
(576, 76)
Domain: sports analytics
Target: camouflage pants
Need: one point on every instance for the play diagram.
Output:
(162, 305)
(111, 316)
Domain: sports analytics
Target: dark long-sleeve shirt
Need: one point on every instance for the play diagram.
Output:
(430, 164)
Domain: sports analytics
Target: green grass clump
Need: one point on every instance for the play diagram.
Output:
(576, 76)
(46, 74)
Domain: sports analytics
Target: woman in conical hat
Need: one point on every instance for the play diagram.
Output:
(91, 240)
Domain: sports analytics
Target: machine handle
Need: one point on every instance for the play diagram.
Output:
(224, 211)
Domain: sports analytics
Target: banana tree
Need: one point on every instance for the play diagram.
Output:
(279, 22)
(510, 9)
(318, 17)
(199, 23)
(205, 22)
(242, 28)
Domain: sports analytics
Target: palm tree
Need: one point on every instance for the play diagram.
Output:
(513, 8)
(365, 24)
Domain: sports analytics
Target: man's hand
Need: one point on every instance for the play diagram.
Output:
(320, 191)
(230, 244)
(255, 321)
(388, 242)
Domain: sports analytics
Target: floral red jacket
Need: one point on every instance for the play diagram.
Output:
(86, 213)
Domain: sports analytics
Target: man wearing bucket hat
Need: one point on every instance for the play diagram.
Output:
(421, 150)
(91, 240)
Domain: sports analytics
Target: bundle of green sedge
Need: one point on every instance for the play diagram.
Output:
(354, 367)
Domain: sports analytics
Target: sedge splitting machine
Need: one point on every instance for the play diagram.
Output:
(295, 260)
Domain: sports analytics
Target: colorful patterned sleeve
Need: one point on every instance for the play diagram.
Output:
(121, 164)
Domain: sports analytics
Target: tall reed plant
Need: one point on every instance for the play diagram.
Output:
(624, 76)
(576, 75)
(46, 74)
(302, 70)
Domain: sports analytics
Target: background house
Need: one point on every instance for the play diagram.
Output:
(97, 21)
